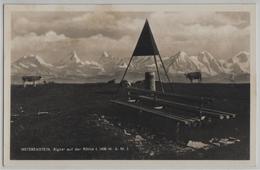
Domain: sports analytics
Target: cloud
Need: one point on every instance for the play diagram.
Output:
(194, 33)
(32, 43)
(53, 47)
(36, 41)
(77, 26)
(53, 35)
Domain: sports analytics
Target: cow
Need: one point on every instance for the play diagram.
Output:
(32, 79)
(113, 81)
(193, 76)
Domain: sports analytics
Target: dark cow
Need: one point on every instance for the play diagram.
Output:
(113, 81)
(32, 79)
(193, 76)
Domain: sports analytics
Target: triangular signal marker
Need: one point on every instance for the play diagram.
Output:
(146, 45)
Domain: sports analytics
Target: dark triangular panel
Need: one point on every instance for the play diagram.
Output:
(146, 44)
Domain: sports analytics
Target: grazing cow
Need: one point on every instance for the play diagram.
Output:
(32, 79)
(113, 81)
(193, 76)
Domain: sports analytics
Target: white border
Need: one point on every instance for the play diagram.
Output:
(139, 164)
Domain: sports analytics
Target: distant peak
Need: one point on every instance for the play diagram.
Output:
(182, 53)
(34, 58)
(74, 57)
(105, 54)
(242, 56)
(206, 54)
(30, 56)
(243, 53)
(74, 52)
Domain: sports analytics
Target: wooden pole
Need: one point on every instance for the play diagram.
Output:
(127, 68)
(124, 73)
(159, 77)
(166, 74)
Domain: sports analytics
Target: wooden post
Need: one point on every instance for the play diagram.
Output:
(177, 132)
(166, 74)
(159, 77)
(124, 74)
(127, 68)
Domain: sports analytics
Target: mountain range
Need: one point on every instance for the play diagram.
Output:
(107, 67)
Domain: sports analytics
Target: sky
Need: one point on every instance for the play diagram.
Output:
(53, 35)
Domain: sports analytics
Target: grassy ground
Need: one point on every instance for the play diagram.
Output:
(76, 121)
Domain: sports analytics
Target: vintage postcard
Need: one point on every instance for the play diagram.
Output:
(94, 84)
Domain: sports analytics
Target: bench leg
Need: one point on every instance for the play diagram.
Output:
(177, 132)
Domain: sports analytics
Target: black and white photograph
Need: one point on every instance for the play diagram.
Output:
(129, 82)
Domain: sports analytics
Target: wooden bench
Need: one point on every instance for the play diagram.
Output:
(195, 109)
(199, 100)
(186, 120)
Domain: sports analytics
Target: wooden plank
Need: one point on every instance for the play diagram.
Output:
(186, 106)
(194, 98)
(194, 118)
(218, 111)
(187, 121)
(225, 114)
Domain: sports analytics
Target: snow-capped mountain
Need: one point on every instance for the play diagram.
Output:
(181, 63)
(141, 63)
(122, 64)
(109, 67)
(73, 65)
(211, 65)
(72, 59)
(204, 62)
(208, 64)
(69, 66)
(238, 64)
(111, 64)
(107, 60)
(31, 65)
